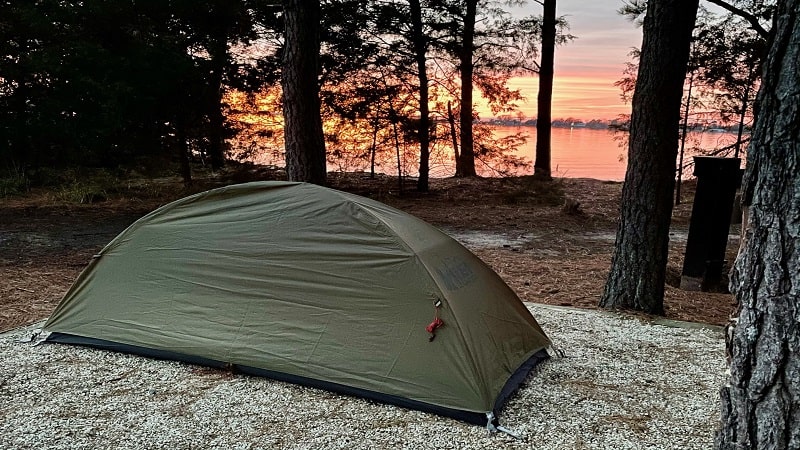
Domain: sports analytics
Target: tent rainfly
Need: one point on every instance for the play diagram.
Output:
(313, 286)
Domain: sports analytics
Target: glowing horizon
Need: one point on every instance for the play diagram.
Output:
(576, 96)
(587, 67)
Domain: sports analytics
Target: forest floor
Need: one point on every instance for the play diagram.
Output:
(547, 252)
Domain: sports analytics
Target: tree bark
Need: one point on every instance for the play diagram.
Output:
(303, 137)
(638, 267)
(761, 403)
(423, 127)
(541, 166)
(466, 162)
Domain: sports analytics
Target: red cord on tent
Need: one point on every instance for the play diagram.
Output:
(437, 322)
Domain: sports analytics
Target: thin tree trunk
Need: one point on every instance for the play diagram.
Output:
(743, 115)
(393, 115)
(541, 166)
(184, 154)
(761, 402)
(303, 136)
(373, 149)
(451, 119)
(466, 162)
(399, 163)
(420, 54)
(216, 148)
(638, 267)
(684, 131)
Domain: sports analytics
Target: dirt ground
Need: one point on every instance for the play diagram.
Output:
(546, 252)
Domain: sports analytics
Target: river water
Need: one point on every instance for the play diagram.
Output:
(576, 153)
(602, 154)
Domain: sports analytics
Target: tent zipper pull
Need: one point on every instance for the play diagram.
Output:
(437, 322)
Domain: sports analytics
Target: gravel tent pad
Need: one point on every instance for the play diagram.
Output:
(622, 384)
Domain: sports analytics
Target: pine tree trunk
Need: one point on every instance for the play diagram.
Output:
(541, 166)
(303, 137)
(420, 54)
(638, 267)
(466, 162)
(216, 133)
(761, 403)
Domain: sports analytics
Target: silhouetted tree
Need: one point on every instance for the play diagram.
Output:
(303, 135)
(99, 83)
(729, 57)
(92, 83)
(420, 45)
(487, 46)
(213, 26)
(541, 166)
(465, 166)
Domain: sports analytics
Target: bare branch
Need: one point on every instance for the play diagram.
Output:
(754, 23)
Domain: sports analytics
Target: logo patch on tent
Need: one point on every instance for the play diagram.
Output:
(455, 273)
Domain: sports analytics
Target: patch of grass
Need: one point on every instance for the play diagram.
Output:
(13, 181)
(145, 189)
(94, 185)
(82, 193)
(14, 184)
(86, 186)
(532, 190)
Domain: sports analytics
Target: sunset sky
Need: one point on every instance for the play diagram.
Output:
(586, 68)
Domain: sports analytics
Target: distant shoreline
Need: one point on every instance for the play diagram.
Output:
(603, 124)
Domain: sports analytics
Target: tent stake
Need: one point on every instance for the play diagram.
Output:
(511, 433)
(490, 419)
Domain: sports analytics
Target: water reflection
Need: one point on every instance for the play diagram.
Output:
(576, 153)
(602, 154)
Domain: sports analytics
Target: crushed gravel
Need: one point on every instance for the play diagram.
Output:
(623, 384)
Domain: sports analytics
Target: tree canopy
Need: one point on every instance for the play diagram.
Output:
(147, 83)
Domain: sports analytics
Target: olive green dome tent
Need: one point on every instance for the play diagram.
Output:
(309, 285)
